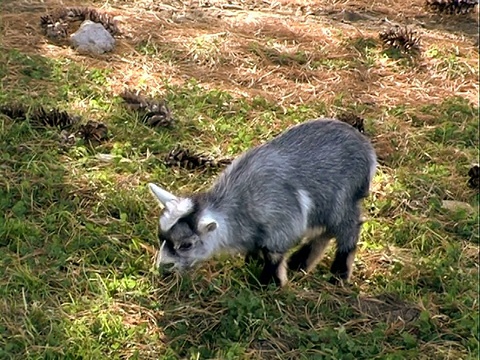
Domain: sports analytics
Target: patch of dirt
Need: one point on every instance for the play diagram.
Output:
(386, 308)
(309, 48)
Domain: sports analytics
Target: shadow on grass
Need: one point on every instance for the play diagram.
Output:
(460, 25)
(62, 226)
(38, 217)
(226, 317)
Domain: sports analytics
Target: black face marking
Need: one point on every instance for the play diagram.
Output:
(185, 246)
(179, 238)
(189, 220)
(181, 230)
(168, 244)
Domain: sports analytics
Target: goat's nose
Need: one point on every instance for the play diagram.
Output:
(166, 271)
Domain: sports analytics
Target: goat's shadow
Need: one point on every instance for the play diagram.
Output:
(215, 309)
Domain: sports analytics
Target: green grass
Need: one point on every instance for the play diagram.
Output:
(76, 280)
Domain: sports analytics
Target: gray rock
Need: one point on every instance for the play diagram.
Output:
(92, 38)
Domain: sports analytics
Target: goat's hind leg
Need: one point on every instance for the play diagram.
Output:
(309, 255)
(347, 238)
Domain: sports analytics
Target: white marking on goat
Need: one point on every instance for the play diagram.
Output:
(174, 210)
(217, 240)
(305, 206)
(206, 223)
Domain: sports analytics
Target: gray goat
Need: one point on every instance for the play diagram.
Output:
(305, 184)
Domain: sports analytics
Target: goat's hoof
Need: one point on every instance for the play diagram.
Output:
(338, 280)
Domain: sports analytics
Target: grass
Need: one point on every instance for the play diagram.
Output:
(78, 231)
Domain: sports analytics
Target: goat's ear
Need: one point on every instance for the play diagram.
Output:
(162, 196)
(206, 224)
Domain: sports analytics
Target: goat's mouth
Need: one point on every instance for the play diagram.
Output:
(165, 268)
(169, 268)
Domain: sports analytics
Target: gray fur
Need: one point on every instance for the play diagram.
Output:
(306, 183)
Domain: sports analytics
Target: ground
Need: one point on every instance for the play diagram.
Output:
(78, 232)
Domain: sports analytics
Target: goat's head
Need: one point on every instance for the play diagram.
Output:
(184, 230)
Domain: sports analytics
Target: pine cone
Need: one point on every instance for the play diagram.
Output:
(134, 100)
(400, 38)
(53, 117)
(184, 158)
(106, 20)
(56, 24)
(40, 117)
(56, 29)
(77, 13)
(67, 139)
(160, 116)
(352, 119)
(474, 181)
(14, 111)
(94, 131)
(452, 7)
(154, 113)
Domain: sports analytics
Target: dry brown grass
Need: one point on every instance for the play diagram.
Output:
(216, 48)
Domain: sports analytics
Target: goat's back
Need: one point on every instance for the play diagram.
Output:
(324, 166)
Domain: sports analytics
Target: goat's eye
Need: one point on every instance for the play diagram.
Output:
(185, 246)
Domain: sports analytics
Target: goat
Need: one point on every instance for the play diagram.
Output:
(305, 184)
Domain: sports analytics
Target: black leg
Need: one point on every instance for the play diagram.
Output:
(298, 260)
(309, 255)
(253, 257)
(347, 235)
(274, 269)
(342, 266)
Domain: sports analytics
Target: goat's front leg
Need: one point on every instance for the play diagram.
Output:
(253, 256)
(274, 269)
